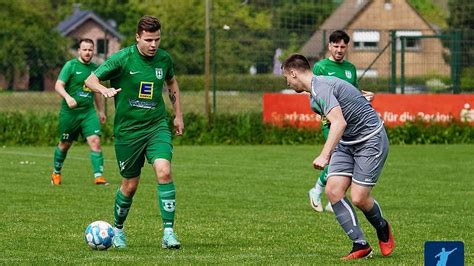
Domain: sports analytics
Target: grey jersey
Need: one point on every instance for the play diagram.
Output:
(362, 121)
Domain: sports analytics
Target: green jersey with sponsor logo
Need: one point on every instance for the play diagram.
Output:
(139, 107)
(343, 70)
(73, 74)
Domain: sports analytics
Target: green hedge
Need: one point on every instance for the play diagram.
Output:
(245, 128)
(18, 128)
(272, 83)
(419, 132)
(234, 82)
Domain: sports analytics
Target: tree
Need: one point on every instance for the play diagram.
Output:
(243, 37)
(184, 30)
(462, 20)
(182, 25)
(107, 9)
(297, 20)
(246, 32)
(431, 11)
(29, 43)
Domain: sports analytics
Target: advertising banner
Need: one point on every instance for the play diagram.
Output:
(395, 109)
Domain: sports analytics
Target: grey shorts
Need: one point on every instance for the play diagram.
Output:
(363, 162)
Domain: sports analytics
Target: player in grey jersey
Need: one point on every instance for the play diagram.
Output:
(355, 150)
(362, 121)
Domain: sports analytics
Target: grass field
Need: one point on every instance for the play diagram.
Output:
(236, 204)
(226, 102)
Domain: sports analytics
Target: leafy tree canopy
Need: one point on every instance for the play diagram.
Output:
(28, 41)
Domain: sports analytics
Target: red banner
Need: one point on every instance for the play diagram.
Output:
(395, 109)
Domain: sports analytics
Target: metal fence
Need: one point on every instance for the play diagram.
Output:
(397, 46)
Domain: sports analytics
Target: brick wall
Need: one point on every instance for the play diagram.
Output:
(400, 16)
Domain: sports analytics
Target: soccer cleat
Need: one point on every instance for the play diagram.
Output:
(170, 240)
(386, 247)
(101, 181)
(328, 207)
(315, 200)
(119, 240)
(55, 179)
(359, 251)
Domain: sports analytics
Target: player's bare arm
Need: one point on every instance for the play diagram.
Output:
(60, 89)
(173, 93)
(99, 103)
(338, 124)
(93, 83)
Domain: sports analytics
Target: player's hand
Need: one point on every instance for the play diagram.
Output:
(320, 162)
(71, 102)
(368, 95)
(179, 125)
(110, 92)
(102, 117)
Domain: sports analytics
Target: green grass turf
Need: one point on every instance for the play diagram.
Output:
(226, 102)
(235, 204)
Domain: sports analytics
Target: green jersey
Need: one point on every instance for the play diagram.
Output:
(73, 74)
(343, 70)
(139, 107)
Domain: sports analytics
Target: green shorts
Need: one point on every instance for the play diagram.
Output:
(72, 123)
(155, 145)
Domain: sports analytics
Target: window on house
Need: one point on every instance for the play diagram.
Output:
(102, 46)
(366, 39)
(411, 42)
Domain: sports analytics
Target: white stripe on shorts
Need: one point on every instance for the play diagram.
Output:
(340, 174)
(362, 183)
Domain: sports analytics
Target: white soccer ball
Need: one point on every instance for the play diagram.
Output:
(98, 235)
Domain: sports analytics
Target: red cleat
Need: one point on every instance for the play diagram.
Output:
(359, 252)
(386, 248)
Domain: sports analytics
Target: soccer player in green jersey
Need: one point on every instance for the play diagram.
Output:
(77, 114)
(137, 75)
(336, 66)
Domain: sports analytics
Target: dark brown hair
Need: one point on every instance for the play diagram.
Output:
(339, 35)
(296, 61)
(148, 24)
(86, 40)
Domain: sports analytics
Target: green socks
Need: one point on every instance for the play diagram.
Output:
(97, 160)
(59, 158)
(167, 201)
(122, 206)
(323, 178)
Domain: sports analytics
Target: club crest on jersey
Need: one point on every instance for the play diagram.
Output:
(159, 73)
(146, 90)
(348, 74)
